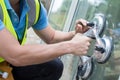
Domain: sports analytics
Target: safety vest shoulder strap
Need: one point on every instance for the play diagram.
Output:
(34, 12)
(1, 14)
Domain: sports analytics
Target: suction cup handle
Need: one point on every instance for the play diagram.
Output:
(91, 24)
(98, 23)
(90, 33)
(100, 49)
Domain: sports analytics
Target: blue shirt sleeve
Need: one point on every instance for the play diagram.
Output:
(1, 25)
(43, 19)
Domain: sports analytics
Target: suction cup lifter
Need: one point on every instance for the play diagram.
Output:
(104, 44)
(85, 68)
(100, 55)
(98, 24)
(103, 47)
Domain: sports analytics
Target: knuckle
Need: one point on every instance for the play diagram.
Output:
(85, 52)
(88, 43)
(88, 39)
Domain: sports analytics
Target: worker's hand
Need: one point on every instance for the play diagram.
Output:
(81, 26)
(80, 44)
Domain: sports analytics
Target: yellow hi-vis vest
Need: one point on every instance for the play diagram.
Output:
(34, 15)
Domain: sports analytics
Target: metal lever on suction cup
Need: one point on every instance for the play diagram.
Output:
(100, 49)
(91, 24)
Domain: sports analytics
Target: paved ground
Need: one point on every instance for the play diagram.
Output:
(32, 38)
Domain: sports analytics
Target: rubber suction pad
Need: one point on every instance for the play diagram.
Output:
(105, 54)
(85, 70)
(99, 21)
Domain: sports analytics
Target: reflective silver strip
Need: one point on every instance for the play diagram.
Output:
(1, 13)
(31, 13)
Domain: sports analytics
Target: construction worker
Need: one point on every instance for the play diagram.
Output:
(39, 61)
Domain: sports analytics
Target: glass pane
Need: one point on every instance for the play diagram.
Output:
(58, 13)
(87, 9)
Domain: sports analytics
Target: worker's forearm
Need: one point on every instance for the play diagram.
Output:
(36, 54)
(19, 55)
(50, 35)
(62, 36)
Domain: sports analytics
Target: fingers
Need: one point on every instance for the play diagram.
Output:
(78, 28)
(81, 36)
(81, 44)
(88, 38)
(85, 37)
(81, 26)
(81, 22)
(82, 50)
(85, 49)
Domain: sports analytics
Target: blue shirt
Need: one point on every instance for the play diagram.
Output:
(19, 23)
